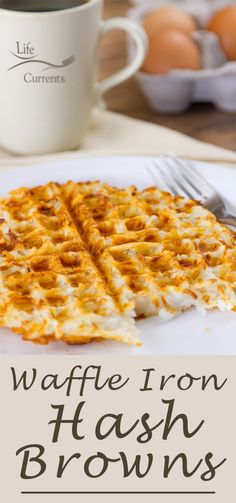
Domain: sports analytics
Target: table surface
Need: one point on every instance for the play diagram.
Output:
(201, 121)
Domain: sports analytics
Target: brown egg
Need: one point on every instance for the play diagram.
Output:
(223, 23)
(168, 17)
(171, 49)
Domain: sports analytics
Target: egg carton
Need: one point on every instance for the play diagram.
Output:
(176, 91)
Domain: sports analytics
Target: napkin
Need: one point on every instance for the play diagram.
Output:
(114, 134)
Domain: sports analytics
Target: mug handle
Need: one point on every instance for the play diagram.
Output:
(139, 36)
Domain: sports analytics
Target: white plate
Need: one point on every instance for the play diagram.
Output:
(190, 333)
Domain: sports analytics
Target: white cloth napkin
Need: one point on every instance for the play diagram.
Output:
(113, 134)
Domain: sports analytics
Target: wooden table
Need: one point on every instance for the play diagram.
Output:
(201, 121)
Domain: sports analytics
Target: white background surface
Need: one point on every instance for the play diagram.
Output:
(190, 333)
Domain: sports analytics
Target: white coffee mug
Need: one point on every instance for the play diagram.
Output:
(49, 63)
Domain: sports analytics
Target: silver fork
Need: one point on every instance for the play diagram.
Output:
(177, 177)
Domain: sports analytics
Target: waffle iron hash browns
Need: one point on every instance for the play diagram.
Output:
(80, 261)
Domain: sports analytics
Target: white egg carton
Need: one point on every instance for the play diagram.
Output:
(216, 82)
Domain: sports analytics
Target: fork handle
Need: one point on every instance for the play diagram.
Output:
(229, 221)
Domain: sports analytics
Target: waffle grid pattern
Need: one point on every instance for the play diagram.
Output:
(171, 252)
(79, 262)
(50, 287)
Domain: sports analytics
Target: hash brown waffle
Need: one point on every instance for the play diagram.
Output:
(49, 285)
(171, 252)
(79, 261)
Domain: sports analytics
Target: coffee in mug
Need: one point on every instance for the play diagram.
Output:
(40, 5)
(49, 61)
